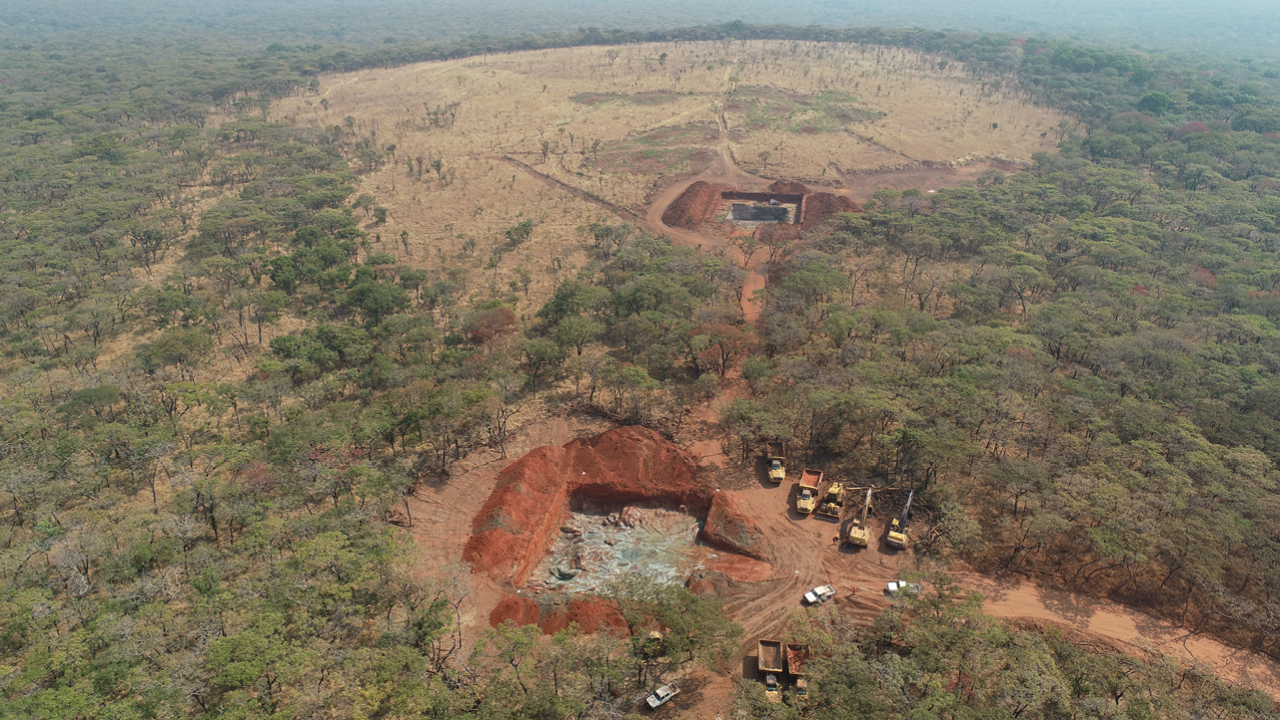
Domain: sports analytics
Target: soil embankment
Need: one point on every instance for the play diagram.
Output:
(628, 465)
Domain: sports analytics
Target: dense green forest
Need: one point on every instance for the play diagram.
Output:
(200, 524)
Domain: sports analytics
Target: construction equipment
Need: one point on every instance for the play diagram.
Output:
(833, 502)
(807, 500)
(897, 536)
(858, 533)
(772, 689)
(662, 695)
(769, 656)
(777, 470)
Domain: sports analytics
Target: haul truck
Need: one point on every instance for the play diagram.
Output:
(833, 503)
(897, 536)
(769, 660)
(859, 534)
(777, 467)
(807, 500)
(797, 655)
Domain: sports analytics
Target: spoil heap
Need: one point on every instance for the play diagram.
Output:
(695, 206)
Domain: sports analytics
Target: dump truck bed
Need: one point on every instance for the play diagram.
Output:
(769, 655)
(797, 655)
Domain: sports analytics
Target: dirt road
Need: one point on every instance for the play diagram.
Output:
(806, 554)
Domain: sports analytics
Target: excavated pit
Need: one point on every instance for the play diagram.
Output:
(566, 521)
(598, 544)
(781, 204)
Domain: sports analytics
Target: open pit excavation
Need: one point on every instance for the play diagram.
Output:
(570, 520)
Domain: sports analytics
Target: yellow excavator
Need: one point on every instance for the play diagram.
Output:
(858, 533)
(898, 528)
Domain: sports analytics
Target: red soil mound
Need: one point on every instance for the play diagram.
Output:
(729, 529)
(695, 206)
(626, 465)
(791, 188)
(554, 613)
(520, 610)
(819, 207)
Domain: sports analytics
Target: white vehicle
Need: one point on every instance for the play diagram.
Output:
(819, 595)
(662, 695)
(896, 588)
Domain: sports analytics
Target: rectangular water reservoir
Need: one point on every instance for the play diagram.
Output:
(759, 213)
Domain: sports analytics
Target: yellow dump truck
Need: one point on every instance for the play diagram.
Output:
(807, 499)
(833, 503)
(859, 534)
(776, 458)
(769, 660)
(797, 654)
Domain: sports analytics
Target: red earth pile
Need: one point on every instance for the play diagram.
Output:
(783, 187)
(727, 528)
(695, 206)
(627, 465)
(819, 207)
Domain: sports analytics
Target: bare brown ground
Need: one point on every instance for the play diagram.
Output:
(802, 553)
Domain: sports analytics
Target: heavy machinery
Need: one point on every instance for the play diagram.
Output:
(858, 533)
(897, 536)
(772, 689)
(797, 655)
(807, 500)
(833, 503)
(776, 460)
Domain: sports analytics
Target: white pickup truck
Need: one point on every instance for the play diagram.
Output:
(819, 595)
(897, 587)
(662, 695)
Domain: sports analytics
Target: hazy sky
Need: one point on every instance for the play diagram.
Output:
(1246, 25)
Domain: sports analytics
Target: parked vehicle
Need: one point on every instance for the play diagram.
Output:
(775, 455)
(819, 595)
(807, 500)
(897, 536)
(858, 533)
(662, 695)
(898, 587)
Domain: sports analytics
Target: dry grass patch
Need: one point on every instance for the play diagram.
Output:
(621, 123)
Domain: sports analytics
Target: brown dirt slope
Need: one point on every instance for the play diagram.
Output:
(784, 187)
(626, 465)
(729, 529)
(820, 206)
(695, 206)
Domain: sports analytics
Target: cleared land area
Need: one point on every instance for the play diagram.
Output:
(476, 140)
